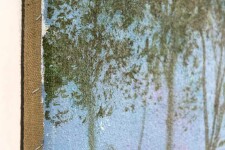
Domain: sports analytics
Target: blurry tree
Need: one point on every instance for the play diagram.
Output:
(175, 21)
(80, 41)
(85, 45)
(217, 36)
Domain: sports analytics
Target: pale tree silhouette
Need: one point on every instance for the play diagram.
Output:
(176, 21)
(78, 44)
(217, 35)
(88, 44)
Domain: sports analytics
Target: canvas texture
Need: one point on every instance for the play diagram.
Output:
(32, 128)
(124, 75)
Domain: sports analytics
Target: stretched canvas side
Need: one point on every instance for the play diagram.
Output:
(32, 110)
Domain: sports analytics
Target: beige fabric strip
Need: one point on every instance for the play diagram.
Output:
(33, 108)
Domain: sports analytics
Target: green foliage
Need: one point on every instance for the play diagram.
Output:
(78, 52)
(82, 45)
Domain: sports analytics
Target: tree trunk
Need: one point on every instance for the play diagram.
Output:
(91, 127)
(143, 125)
(170, 118)
(205, 110)
(91, 122)
(170, 103)
(217, 125)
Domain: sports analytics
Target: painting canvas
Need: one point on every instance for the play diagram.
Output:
(133, 74)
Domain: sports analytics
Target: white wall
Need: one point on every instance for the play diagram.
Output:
(10, 50)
